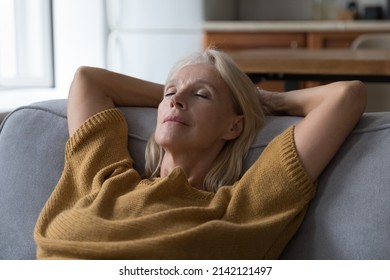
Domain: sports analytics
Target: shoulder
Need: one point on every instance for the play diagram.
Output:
(107, 124)
(279, 169)
(102, 139)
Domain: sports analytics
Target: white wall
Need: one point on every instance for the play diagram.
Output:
(147, 37)
(79, 39)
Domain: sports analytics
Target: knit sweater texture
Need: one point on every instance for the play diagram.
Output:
(102, 208)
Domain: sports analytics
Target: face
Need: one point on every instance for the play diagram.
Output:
(197, 112)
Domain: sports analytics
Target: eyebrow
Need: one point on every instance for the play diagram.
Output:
(201, 81)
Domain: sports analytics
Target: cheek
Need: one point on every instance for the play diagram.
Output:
(214, 116)
(160, 114)
(211, 124)
(157, 132)
(161, 111)
(160, 108)
(161, 137)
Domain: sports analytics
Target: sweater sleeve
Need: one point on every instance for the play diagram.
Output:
(105, 127)
(97, 149)
(276, 182)
(96, 152)
(274, 193)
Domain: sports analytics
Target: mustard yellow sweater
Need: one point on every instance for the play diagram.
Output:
(102, 208)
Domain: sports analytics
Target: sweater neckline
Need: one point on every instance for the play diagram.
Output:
(182, 185)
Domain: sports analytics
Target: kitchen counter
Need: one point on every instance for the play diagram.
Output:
(297, 26)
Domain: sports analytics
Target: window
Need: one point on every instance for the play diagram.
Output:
(26, 47)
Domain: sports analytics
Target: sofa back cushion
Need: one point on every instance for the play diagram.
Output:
(348, 219)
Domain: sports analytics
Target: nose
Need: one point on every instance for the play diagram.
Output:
(178, 102)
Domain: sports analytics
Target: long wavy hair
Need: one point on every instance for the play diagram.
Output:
(227, 167)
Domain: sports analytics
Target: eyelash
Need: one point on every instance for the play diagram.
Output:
(169, 94)
(197, 94)
(201, 95)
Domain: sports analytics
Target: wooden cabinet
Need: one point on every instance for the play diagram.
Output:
(240, 40)
(289, 37)
(233, 41)
(331, 40)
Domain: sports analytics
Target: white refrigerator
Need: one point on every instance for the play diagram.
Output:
(146, 37)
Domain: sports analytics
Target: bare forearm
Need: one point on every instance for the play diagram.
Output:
(302, 101)
(94, 90)
(121, 89)
(330, 113)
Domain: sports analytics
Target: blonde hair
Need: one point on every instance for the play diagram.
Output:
(227, 167)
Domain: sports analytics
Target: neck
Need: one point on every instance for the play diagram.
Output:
(194, 166)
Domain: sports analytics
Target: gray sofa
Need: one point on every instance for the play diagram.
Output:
(348, 219)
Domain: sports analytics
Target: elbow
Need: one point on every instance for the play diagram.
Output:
(355, 95)
(81, 80)
(83, 71)
(82, 74)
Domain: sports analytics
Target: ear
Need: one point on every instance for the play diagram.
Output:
(236, 128)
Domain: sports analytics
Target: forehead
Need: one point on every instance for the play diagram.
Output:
(201, 72)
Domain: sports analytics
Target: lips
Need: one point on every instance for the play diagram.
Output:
(175, 119)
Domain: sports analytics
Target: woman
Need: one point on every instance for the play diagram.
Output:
(194, 204)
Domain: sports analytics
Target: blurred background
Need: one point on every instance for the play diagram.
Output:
(43, 42)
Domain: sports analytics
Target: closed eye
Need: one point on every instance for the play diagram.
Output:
(202, 94)
(169, 92)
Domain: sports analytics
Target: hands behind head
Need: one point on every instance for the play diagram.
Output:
(271, 101)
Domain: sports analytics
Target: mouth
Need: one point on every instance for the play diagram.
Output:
(175, 119)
